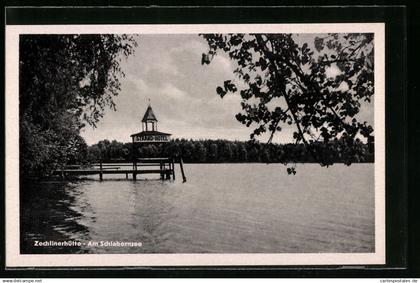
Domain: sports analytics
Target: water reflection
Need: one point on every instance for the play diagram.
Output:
(47, 214)
(223, 208)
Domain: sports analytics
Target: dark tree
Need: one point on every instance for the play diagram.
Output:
(212, 153)
(200, 152)
(65, 81)
(287, 84)
(242, 153)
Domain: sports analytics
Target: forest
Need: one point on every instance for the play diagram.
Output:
(219, 151)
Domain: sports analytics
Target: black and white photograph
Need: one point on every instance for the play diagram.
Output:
(195, 145)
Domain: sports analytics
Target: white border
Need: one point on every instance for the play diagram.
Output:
(15, 259)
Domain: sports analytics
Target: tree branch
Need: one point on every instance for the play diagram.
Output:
(275, 127)
(273, 62)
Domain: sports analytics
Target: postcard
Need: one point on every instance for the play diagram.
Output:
(195, 145)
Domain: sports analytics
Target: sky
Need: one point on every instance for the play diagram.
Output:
(167, 70)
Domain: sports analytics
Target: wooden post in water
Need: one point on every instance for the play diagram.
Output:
(173, 168)
(135, 168)
(168, 171)
(161, 170)
(184, 179)
(100, 169)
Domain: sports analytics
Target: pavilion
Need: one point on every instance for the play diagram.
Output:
(149, 133)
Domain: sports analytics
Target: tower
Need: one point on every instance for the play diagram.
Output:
(149, 133)
(149, 118)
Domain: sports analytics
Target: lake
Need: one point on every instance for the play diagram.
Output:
(222, 208)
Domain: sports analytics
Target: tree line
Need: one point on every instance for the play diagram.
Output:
(219, 151)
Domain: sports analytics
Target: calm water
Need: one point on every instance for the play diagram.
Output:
(223, 208)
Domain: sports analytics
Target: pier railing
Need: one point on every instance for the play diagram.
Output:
(165, 167)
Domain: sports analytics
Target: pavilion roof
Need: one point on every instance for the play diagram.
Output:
(151, 133)
(149, 116)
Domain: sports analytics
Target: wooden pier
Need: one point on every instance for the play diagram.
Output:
(165, 167)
